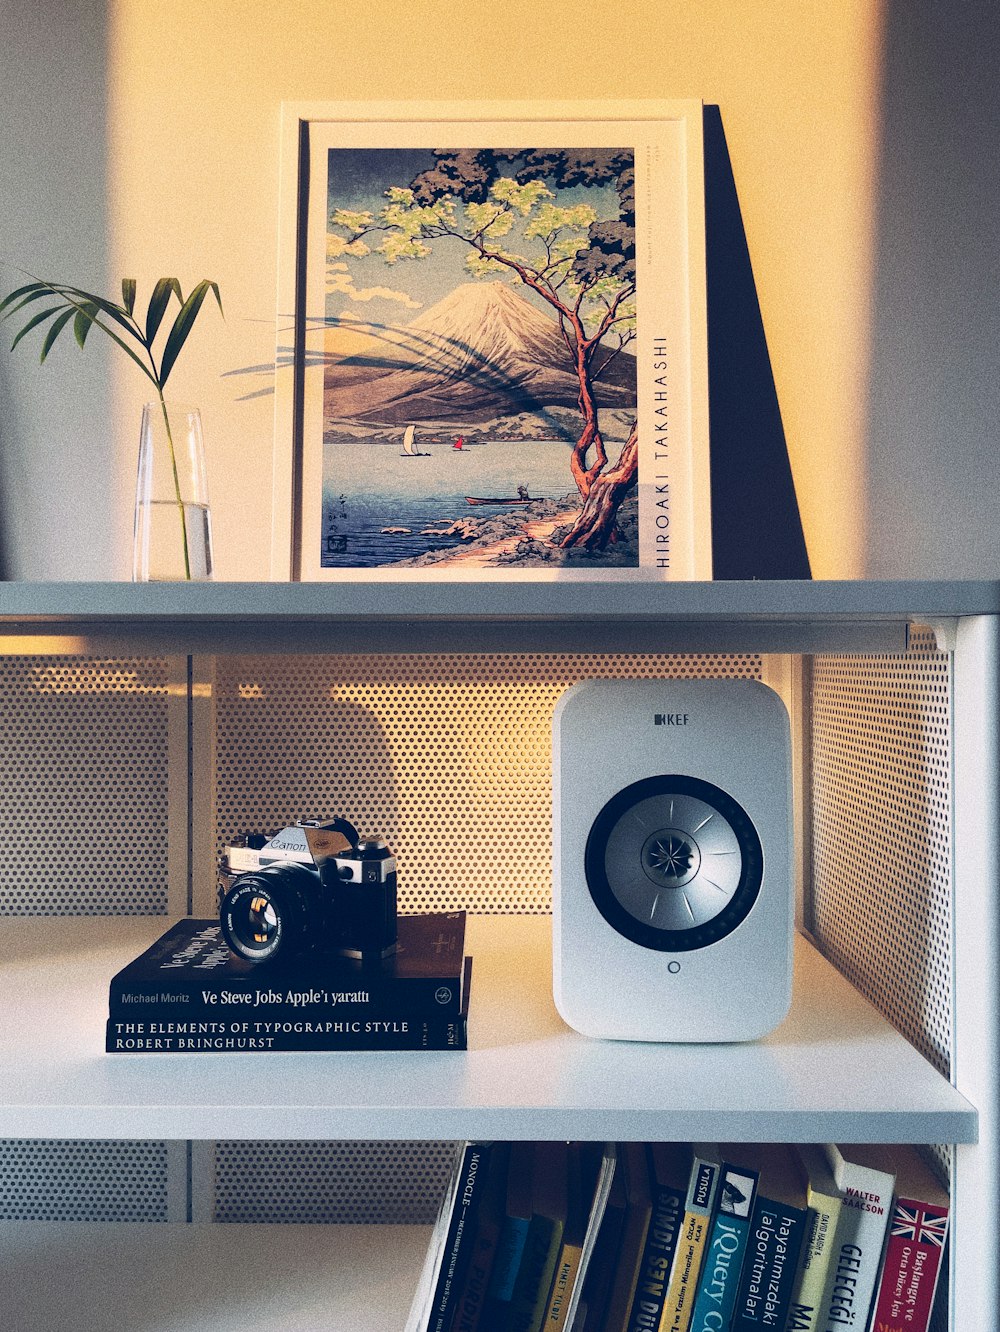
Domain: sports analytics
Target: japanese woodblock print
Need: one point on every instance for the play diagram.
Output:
(504, 350)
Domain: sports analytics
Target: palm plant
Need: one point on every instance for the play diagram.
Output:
(120, 323)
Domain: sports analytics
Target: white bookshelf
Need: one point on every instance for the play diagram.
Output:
(835, 1070)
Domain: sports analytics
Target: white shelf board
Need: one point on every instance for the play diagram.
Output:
(618, 612)
(93, 1277)
(621, 594)
(835, 1069)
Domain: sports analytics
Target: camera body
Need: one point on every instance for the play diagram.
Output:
(311, 886)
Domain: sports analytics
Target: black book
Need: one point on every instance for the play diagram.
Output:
(470, 1315)
(269, 1028)
(670, 1171)
(635, 1166)
(512, 1239)
(457, 1253)
(536, 1273)
(190, 973)
(778, 1226)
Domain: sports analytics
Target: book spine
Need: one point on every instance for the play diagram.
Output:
(764, 1298)
(724, 1256)
(507, 1264)
(535, 1276)
(216, 1036)
(911, 1268)
(275, 1014)
(566, 1274)
(458, 1242)
(654, 1267)
(854, 1268)
(686, 1267)
(421, 996)
(815, 1262)
(472, 1295)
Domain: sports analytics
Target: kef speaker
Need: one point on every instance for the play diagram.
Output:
(672, 894)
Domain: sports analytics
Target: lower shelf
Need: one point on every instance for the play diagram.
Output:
(207, 1278)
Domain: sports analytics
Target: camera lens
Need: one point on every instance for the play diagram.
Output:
(262, 919)
(266, 912)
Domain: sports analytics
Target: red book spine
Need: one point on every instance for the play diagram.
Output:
(910, 1270)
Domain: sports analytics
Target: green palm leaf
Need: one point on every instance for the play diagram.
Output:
(150, 374)
(10, 305)
(86, 318)
(183, 325)
(57, 327)
(32, 323)
(12, 296)
(77, 297)
(85, 309)
(158, 303)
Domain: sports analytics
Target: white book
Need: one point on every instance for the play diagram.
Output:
(576, 1311)
(860, 1238)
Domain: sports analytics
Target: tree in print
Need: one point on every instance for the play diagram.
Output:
(502, 205)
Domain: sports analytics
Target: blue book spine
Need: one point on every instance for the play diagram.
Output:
(724, 1254)
(507, 1263)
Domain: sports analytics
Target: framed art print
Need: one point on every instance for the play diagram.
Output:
(492, 357)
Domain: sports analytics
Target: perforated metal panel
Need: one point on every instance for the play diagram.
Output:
(70, 1180)
(881, 833)
(84, 789)
(356, 1182)
(447, 756)
(450, 758)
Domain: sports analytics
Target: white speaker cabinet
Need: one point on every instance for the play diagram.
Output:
(672, 859)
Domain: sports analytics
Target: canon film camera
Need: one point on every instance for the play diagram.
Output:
(311, 886)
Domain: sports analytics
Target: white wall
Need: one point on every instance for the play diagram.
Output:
(63, 494)
(144, 140)
(933, 435)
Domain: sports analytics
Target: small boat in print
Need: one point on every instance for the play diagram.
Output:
(522, 497)
(410, 449)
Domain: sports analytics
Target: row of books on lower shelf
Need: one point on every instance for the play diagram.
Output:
(674, 1237)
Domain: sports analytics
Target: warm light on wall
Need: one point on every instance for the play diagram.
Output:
(194, 176)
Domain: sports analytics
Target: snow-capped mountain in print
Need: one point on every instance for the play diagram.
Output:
(481, 352)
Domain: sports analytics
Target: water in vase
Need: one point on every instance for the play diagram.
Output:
(159, 542)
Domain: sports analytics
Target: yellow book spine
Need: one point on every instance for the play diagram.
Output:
(567, 1270)
(683, 1285)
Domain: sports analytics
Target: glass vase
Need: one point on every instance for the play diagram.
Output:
(173, 526)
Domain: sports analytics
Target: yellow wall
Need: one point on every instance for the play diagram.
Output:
(194, 117)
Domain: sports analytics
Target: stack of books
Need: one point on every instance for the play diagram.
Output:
(188, 993)
(678, 1237)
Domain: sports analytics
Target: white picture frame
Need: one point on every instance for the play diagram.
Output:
(349, 504)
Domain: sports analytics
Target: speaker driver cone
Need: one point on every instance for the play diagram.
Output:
(673, 863)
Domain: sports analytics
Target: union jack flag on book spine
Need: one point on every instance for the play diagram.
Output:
(911, 1266)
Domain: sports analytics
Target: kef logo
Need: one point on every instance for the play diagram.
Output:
(670, 718)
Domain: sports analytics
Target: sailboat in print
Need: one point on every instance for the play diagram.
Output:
(410, 449)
